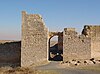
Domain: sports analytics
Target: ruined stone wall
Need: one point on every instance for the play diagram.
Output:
(95, 48)
(34, 40)
(10, 53)
(60, 41)
(94, 33)
(74, 46)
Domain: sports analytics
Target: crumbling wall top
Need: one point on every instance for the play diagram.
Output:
(91, 30)
(35, 16)
(69, 29)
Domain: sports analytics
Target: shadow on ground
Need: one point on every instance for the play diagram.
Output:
(55, 54)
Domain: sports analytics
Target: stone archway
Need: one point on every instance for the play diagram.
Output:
(56, 51)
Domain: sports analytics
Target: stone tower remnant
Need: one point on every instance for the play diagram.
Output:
(34, 39)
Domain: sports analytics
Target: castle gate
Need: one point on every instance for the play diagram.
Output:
(55, 47)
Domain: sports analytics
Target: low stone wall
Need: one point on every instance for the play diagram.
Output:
(10, 53)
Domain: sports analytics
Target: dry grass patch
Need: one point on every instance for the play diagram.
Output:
(9, 70)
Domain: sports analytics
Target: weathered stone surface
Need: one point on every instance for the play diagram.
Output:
(75, 46)
(92, 31)
(10, 53)
(34, 39)
(84, 46)
(95, 48)
(95, 41)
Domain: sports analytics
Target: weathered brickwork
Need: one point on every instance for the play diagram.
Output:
(34, 39)
(94, 34)
(75, 46)
(10, 53)
(95, 48)
(84, 46)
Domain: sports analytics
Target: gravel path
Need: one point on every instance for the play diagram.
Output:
(54, 66)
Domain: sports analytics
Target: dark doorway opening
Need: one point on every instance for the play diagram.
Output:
(55, 53)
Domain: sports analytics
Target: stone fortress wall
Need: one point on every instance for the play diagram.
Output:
(94, 33)
(75, 46)
(36, 37)
(10, 53)
(84, 46)
(35, 41)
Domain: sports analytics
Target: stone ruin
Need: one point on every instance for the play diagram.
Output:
(34, 39)
(10, 53)
(34, 47)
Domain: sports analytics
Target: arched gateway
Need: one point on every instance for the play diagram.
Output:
(35, 37)
(56, 51)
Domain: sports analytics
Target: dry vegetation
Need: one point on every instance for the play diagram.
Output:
(9, 70)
